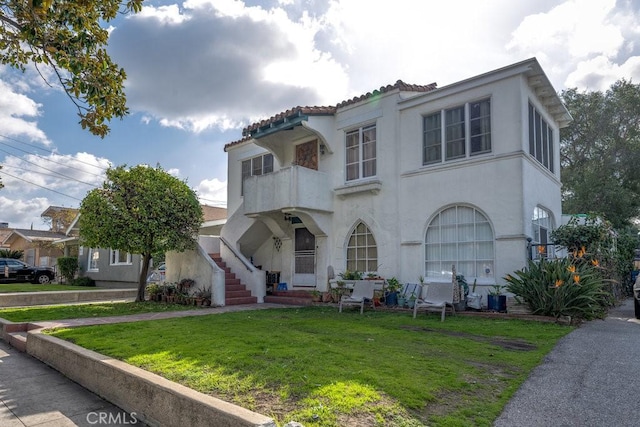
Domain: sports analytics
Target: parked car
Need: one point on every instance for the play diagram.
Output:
(636, 297)
(14, 270)
(158, 274)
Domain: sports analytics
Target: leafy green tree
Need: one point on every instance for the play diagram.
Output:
(141, 210)
(600, 153)
(68, 36)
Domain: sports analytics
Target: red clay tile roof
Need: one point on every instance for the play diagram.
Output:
(212, 213)
(329, 110)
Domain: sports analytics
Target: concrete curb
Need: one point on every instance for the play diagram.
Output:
(153, 399)
(17, 299)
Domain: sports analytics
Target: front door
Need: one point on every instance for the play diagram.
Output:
(304, 273)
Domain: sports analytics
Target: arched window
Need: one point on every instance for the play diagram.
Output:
(362, 251)
(541, 228)
(460, 236)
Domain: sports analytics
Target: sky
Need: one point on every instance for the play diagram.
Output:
(199, 71)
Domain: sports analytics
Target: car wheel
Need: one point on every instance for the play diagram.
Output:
(42, 279)
(636, 304)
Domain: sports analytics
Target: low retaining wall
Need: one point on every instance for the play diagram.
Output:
(154, 400)
(16, 299)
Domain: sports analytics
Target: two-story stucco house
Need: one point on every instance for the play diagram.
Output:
(405, 181)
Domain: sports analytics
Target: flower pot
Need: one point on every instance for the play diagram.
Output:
(497, 303)
(391, 299)
(401, 301)
(411, 303)
(474, 301)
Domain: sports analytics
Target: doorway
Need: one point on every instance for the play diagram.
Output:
(304, 270)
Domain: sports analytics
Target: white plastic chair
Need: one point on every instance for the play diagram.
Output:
(362, 293)
(435, 295)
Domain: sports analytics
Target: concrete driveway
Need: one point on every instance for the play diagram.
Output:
(591, 378)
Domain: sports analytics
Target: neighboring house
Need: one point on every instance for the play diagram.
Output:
(4, 233)
(107, 267)
(59, 218)
(116, 268)
(39, 246)
(405, 181)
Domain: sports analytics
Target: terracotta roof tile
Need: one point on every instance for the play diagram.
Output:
(329, 110)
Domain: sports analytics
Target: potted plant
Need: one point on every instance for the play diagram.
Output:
(316, 295)
(153, 290)
(411, 302)
(391, 297)
(496, 301)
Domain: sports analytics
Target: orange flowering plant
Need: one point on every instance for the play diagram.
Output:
(561, 287)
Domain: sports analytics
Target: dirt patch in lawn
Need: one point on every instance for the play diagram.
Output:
(506, 343)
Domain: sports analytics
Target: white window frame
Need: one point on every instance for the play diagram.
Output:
(257, 165)
(93, 257)
(435, 242)
(116, 259)
(541, 229)
(541, 141)
(444, 135)
(358, 253)
(361, 148)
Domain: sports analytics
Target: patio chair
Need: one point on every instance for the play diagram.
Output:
(362, 294)
(435, 296)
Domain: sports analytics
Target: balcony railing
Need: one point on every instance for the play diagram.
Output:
(294, 187)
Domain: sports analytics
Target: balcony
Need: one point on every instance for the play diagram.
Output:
(294, 187)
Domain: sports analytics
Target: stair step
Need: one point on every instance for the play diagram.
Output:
(237, 294)
(287, 300)
(239, 301)
(293, 293)
(230, 276)
(231, 282)
(18, 340)
(231, 288)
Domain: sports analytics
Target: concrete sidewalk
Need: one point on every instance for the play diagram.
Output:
(31, 393)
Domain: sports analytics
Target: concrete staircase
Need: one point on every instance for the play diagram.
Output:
(290, 297)
(235, 292)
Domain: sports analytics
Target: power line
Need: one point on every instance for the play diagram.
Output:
(61, 174)
(43, 174)
(41, 186)
(45, 150)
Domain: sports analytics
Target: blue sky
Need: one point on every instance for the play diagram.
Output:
(200, 70)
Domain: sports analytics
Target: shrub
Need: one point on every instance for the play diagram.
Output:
(8, 253)
(83, 281)
(68, 267)
(562, 287)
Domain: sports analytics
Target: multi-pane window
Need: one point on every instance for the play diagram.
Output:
(119, 257)
(460, 236)
(540, 139)
(259, 165)
(361, 153)
(452, 133)
(541, 229)
(92, 259)
(362, 251)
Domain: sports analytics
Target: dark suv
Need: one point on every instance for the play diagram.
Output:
(13, 270)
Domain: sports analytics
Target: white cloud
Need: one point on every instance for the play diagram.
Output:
(16, 113)
(24, 212)
(212, 192)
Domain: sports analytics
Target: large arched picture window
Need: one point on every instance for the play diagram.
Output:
(460, 236)
(362, 251)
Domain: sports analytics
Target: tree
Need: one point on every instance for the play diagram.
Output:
(600, 153)
(141, 210)
(67, 36)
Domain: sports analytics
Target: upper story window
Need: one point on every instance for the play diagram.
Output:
(118, 257)
(540, 139)
(361, 153)
(259, 165)
(463, 129)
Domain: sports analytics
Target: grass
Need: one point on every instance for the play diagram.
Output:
(29, 287)
(322, 368)
(59, 312)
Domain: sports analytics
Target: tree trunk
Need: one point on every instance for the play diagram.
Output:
(142, 282)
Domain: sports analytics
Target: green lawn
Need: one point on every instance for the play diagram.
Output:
(322, 368)
(59, 312)
(29, 287)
